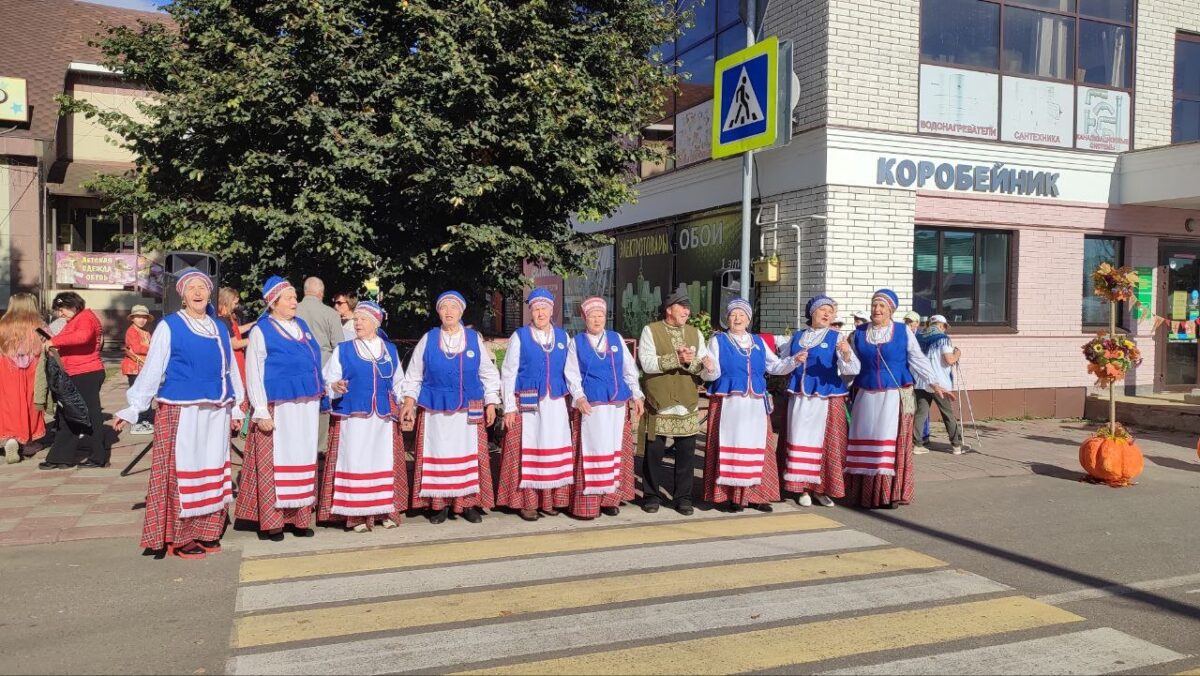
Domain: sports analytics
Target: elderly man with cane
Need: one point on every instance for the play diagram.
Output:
(942, 354)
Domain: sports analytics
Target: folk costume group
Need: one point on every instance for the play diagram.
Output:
(571, 405)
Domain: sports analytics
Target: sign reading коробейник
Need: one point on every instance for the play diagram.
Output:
(994, 178)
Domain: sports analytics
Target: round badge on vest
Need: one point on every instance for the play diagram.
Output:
(308, 336)
(824, 345)
(613, 349)
(470, 354)
(561, 346)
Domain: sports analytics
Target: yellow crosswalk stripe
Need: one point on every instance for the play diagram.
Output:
(785, 646)
(334, 563)
(302, 625)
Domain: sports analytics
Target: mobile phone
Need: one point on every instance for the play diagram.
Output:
(44, 334)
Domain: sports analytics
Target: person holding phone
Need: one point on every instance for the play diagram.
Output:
(21, 338)
(189, 371)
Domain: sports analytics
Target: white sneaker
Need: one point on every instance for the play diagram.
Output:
(389, 524)
(142, 429)
(361, 528)
(920, 450)
(824, 500)
(12, 451)
(804, 500)
(956, 450)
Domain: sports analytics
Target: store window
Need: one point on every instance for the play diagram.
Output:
(1046, 72)
(1186, 119)
(1097, 250)
(962, 274)
(715, 31)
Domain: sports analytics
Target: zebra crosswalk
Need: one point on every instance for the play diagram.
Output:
(791, 591)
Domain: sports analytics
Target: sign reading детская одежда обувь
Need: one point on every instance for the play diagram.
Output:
(982, 178)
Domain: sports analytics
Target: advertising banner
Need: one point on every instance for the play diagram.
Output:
(959, 102)
(97, 270)
(703, 246)
(1038, 112)
(1103, 120)
(643, 278)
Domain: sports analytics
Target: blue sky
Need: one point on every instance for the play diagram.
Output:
(148, 5)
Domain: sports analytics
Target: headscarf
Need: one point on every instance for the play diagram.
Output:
(188, 275)
(451, 297)
(593, 303)
(818, 301)
(371, 310)
(888, 296)
(739, 303)
(540, 296)
(273, 288)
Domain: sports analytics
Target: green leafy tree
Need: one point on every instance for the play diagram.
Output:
(428, 144)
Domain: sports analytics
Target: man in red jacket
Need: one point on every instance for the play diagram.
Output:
(78, 346)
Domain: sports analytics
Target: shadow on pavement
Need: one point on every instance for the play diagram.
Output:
(1052, 440)
(1158, 601)
(1174, 463)
(1043, 469)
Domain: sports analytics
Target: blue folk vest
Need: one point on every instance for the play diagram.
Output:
(369, 383)
(884, 366)
(540, 370)
(449, 385)
(819, 375)
(738, 371)
(293, 368)
(603, 376)
(199, 367)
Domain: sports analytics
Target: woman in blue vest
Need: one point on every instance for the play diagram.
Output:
(453, 378)
(815, 448)
(603, 380)
(283, 382)
(537, 465)
(739, 459)
(365, 478)
(190, 371)
(879, 469)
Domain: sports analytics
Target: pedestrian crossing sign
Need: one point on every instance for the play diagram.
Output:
(746, 90)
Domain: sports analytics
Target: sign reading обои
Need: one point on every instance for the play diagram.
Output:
(994, 178)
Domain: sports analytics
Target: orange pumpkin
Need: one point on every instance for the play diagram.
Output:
(1112, 461)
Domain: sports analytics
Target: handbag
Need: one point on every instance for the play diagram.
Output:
(66, 395)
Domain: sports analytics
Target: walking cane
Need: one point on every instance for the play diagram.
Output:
(962, 384)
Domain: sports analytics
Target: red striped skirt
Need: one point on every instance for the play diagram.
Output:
(399, 468)
(256, 487)
(163, 526)
(510, 493)
(881, 490)
(766, 491)
(483, 499)
(832, 460)
(588, 506)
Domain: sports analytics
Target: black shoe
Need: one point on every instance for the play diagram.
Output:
(551, 512)
(273, 537)
(439, 516)
(735, 507)
(473, 515)
(764, 507)
(610, 511)
(684, 506)
(529, 514)
(650, 506)
(303, 532)
(53, 465)
(88, 464)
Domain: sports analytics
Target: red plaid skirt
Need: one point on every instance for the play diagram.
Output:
(483, 499)
(256, 487)
(881, 491)
(399, 467)
(764, 492)
(832, 461)
(163, 526)
(588, 506)
(510, 493)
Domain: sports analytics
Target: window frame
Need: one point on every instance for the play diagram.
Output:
(1075, 81)
(1007, 322)
(1090, 327)
(672, 104)
(1176, 96)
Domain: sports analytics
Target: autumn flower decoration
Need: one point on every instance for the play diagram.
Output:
(1115, 285)
(1110, 357)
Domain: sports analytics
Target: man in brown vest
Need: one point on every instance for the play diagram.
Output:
(672, 354)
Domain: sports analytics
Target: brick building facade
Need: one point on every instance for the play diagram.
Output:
(979, 177)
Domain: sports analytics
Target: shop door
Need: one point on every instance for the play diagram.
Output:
(1179, 303)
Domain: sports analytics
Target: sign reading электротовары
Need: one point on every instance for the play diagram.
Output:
(982, 178)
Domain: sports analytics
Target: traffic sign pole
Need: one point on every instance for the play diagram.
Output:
(747, 175)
